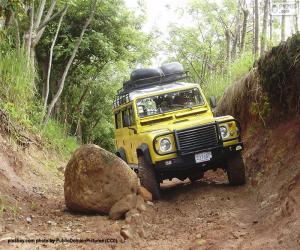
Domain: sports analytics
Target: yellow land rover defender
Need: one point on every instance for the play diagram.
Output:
(165, 129)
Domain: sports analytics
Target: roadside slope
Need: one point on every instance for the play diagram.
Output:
(266, 101)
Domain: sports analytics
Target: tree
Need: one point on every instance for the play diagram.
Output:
(264, 27)
(256, 28)
(50, 59)
(69, 63)
(37, 25)
(244, 28)
(282, 36)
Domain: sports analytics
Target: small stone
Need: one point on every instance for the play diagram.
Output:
(52, 223)
(150, 203)
(120, 208)
(147, 196)
(142, 233)
(132, 212)
(126, 233)
(128, 219)
(200, 242)
(2, 228)
(116, 227)
(28, 219)
(198, 236)
(140, 204)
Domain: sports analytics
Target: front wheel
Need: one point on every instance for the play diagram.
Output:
(147, 177)
(236, 170)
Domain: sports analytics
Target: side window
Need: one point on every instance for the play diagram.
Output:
(118, 120)
(128, 117)
(131, 116)
(125, 118)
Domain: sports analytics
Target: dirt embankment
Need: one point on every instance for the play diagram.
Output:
(267, 102)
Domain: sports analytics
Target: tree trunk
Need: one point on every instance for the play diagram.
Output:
(65, 73)
(244, 29)
(264, 28)
(297, 17)
(282, 28)
(78, 131)
(228, 45)
(256, 28)
(29, 33)
(297, 23)
(40, 12)
(7, 16)
(40, 28)
(50, 60)
(237, 33)
(18, 39)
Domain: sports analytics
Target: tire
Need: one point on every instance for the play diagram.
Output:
(147, 177)
(236, 170)
(196, 177)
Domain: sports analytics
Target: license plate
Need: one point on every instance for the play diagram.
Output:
(203, 157)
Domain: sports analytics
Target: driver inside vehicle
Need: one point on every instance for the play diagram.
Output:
(179, 100)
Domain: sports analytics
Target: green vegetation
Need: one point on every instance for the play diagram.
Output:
(109, 47)
(8, 208)
(216, 84)
(278, 71)
(43, 75)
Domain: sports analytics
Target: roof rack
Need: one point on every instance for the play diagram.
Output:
(121, 99)
(150, 81)
(167, 73)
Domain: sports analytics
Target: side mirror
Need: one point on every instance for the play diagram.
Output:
(213, 102)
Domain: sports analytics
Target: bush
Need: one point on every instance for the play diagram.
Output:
(16, 79)
(279, 73)
(56, 138)
(216, 85)
(18, 99)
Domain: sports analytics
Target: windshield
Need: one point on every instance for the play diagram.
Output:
(169, 102)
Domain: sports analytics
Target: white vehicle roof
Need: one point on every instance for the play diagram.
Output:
(160, 88)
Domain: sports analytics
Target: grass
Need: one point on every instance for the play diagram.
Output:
(56, 138)
(5, 207)
(19, 100)
(216, 85)
(16, 79)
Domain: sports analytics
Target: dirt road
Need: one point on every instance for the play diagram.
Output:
(207, 214)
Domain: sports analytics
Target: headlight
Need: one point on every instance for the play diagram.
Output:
(165, 145)
(224, 131)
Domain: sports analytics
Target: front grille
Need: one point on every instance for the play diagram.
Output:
(197, 138)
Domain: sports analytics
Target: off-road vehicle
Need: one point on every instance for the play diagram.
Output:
(166, 129)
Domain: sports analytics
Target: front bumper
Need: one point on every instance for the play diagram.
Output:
(187, 162)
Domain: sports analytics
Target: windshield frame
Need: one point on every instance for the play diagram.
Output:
(203, 103)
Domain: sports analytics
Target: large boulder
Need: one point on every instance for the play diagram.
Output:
(96, 179)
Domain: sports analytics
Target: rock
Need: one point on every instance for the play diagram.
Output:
(52, 223)
(137, 220)
(115, 227)
(198, 243)
(121, 207)
(28, 219)
(96, 179)
(150, 203)
(147, 196)
(142, 233)
(132, 212)
(198, 236)
(140, 204)
(126, 232)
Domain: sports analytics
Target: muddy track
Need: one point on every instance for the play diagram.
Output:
(207, 214)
